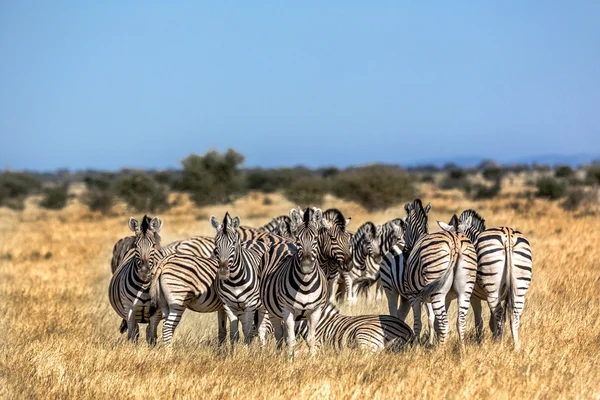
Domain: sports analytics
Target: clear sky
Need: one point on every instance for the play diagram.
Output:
(110, 84)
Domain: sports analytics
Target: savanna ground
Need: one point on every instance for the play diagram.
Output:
(59, 334)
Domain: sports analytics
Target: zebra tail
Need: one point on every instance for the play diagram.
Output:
(363, 284)
(123, 327)
(509, 293)
(437, 285)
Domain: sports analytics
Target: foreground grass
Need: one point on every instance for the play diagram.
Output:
(60, 336)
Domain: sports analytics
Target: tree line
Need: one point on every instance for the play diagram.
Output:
(218, 178)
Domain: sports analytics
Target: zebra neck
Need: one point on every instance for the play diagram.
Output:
(359, 257)
(296, 271)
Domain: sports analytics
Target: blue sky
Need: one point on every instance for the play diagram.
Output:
(143, 84)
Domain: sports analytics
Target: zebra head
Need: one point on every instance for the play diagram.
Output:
(334, 239)
(389, 234)
(305, 232)
(416, 224)
(470, 224)
(146, 244)
(227, 243)
(283, 227)
(365, 243)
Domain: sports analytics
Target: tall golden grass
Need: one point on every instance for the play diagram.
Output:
(59, 335)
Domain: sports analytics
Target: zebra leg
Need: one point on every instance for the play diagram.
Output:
(416, 307)
(263, 320)
(497, 311)
(349, 291)
(222, 327)
(247, 321)
(476, 304)
(514, 324)
(392, 298)
(151, 330)
(404, 308)
(133, 329)
(278, 331)
(171, 322)
(312, 322)
(438, 302)
(430, 322)
(234, 334)
(290, 335)
(332, 285)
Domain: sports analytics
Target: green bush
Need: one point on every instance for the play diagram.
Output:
(271, 180)
(456, 179)
(15, 187)
(576, 198)
(55, 198)
(482, 192)
(98, 200)
(493, 173)
(563, 171)
(307, 191)
(213, 178)
(592, 175)
(142, 193)
(550, 188)
(376, 187)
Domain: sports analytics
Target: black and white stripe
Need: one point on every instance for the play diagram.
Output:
(370, 332)
(127, 290)
(293, 285)
(238, 279)
(334, 248)
(278, 226)
(504, 272)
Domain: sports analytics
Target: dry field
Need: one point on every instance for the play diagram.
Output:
(59, 335)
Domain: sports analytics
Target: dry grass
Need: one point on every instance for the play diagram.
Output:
(60, 336)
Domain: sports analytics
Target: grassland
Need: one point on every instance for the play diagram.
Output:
(59, 335)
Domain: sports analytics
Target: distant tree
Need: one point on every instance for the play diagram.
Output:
(307, 191)
(550, 188)
(15, 187)
(142, 193)
(213, 178)
(55, 197)
(563, 171)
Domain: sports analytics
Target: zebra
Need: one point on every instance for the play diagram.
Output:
(127, 289)
(438, 267)
(371, 332)
(294, 284)
(387, 235)
(334, 249)
(183, 281)
(238, 283)
(278, 226)
(504, 272)
(363, 245)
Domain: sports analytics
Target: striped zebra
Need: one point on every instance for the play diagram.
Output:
(334, 249)
(504, 272)
(439, 266)
(294, 284)
(387, 235)
(370, 332)
(363, 245)
(238, 282)
(278, 226)
(127, 289)
(182, 281)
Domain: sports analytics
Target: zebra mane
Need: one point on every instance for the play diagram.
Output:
(367, 229)
(145, 224)
(477, 224)
(416, 224)
(336, 217)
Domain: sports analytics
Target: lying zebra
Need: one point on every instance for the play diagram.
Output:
(371, 332)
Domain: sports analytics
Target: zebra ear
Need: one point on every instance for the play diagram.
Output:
(378, 230)
(348, 220)
(156, 225)
(464, 225)
(134, 225)
(407, 208)
(235, 222)
(427, 208)
(446, 227)
(318, 218)
(215, 222)
(295, 217)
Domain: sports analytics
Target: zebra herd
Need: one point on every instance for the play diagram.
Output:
(284, 278)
